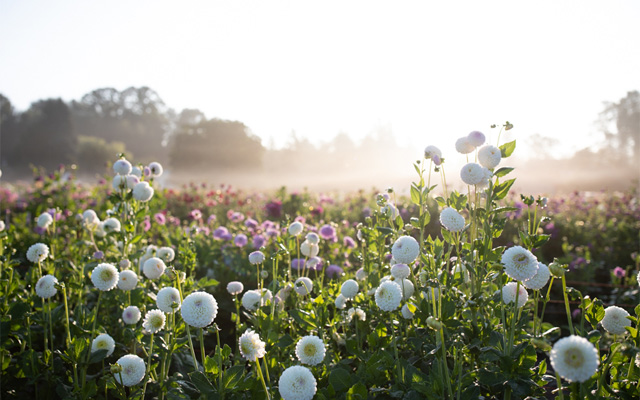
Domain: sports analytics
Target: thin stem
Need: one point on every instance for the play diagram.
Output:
(544, 304)
(264, 385)
(50, 329)
(202, 353)
(220, 372)
(144, 388)
(559, 386)
(566, 303)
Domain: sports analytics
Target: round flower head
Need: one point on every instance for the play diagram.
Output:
(156, 169)
(90, 218)
(312, 238)
(327, 232)
(464, 145)
(295, 228)
(356, 312)
(407, 288)
(297, 383)
(341, 301)
(400, 271)
(111, 225)
(256, 257)
(540, 279)
(519, 263)
(122, 167)
(431, 151)
(199, 309)
(105, 277)
(251, 347)
(2, 226)
(166, 297)
(615, 320)
(251, 300)
(405, 250)
(235, 288)
(103, 342)
(452, 220)
(153, 268)
(489, 156)
(131, 315)
(37, 252)
(44, 220)
(472, 174)
(143, 192)
(476, 138)
(119, 183)
(509, 294)
(309, 249)
(46, 286)
(361, 274)
(131, 181)
(349, 289)
(166, 254)
(303, 286)
(574, 358)
(310, 350)
(133, 370)
(154, 321)
(137, 172)
(128, 280)
(406, 312)
(388, 296)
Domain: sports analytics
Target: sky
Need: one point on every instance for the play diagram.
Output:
(429, 71)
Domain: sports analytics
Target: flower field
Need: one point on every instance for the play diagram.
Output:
(123, 289)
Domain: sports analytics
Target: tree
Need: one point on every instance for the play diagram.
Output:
(8, 131)
(625, 116)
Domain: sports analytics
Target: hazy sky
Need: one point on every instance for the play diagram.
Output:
(431, 71)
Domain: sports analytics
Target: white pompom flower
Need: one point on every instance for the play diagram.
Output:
(540, 279)
(105, 276)
(103, 342)
(37, 252)
(615, 320)
(361, 274)
(489, 156)
(519, 263)
(340, 302)
(356, 312)
(431, 151)
(167, 254)
(349, 289)
(143, 192)
(156, 169)
(405, 250)
(310, 350)
(312, 238)
(476, 138)
(131, 315)
(297, 383)
(295, 228)
(406, 287)
(574, 358)
(128, 280)
(199, 309)
(154, 321)
(472, 174)
(303, 286)
(166, 298)
(400, 271)
(235, 288)
(111, 225)
(251, 300)
(309, 249)
(452, 220)
(46, 286)
(133, 370)
(406, 312)
(44, 220)
(464, 145)
(251, 347)
(388, 296)
(509, 294)
(122, 167)
(153, 268)
(256, 257)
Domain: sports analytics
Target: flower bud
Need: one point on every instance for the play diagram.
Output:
(541, 344)
(125, 264)
(116, 368)
(434, 324)
(556, 269)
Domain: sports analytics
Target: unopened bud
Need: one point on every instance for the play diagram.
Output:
(434, 324)
(125, 264)
(116, 369)
(541, 344)
(264, 274)
(557, 270)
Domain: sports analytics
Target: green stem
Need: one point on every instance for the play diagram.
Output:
(264, 385)
(544, 304)
(559, 381)
(566, 303)
(202, 353)
(220, 371)
(50, 329)
(144, 388)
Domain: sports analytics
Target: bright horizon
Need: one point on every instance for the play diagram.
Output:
(429, 72)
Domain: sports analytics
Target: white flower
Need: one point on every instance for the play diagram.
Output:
(131, 181)
(388, 296)
(131, 315)
(295, 228)
(99, 230)
(312, 238)
(137, 172)
(103, 342)
(309, 249)
(472, 174)
(489, 156)
(251, 300)
(297, 383)
(251, 347)
(37, 252)
(256, 257)
(540, 279)
(519, 263)
(153, 268)
(44, 220)
(406, 312)
(303, 286)
(199, 309)
(451, 220)
(46, 286)
(105, 276)
(165, 299)
(143, 192)
(400, 271)
(111, 225)
(615, 320)
(235, 288)
(166, 254)
(340, 301)
(90, 219)
(464, 145)
(133, 370)
(122, 167)
(310, 350)
(349, 289)
(405, 250)
(2, 226)
(431, 151)
(119, 183)
(361, 274)
(509, 294)
(574, 358)
(408, 287)
(154, 321)
(128, 280)
(151, 250)
(476, 138)
(156, 169)
(356, 312)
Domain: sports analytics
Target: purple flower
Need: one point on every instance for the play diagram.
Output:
(195, 214)
(160, 218)
(274, 209)
(240, 240)
(251, 223)
(575, 313)
(300, 219)
(259, 241)
(317, 211)
(349, 242)
(366, 212)
(98, 255)
(327, 232)
(237, 217)
(297, 263)
(273, 232)
(619, 272)
(221, 233)
(212, 218)
(333, 271)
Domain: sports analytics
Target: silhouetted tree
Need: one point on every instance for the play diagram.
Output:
(626, 116)
(8, 131)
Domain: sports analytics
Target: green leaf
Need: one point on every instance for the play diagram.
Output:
(384, 230)
(502, 171)
(284, 341)
(211, 365)
(18, 310)
(415, 195)
(507, 149)
(340, 379)
(357, 391)
(501, 190)
(425, 218)
(98, 355)
(305, 319)
(232, 376)
(202, 383)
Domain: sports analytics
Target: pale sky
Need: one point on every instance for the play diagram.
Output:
(431, 71)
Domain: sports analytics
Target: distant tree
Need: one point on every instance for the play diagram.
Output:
(8, 131)
(95, 153)
(625, 117)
